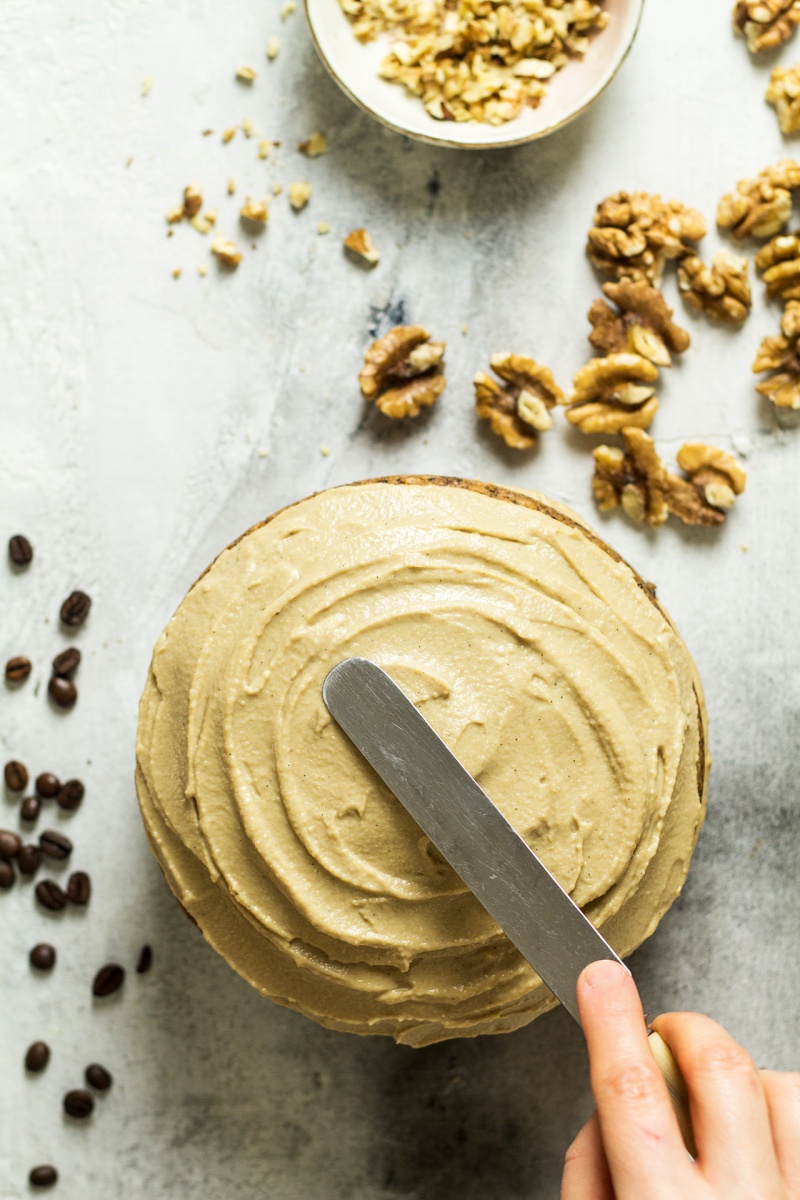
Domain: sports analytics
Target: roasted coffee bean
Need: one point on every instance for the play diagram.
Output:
(20, 551)
(145, 960)
(79, 887)
(47, 785)
(18, 668)
(7, 876)
(67, 661)
(16, 776)
(55, 844)
(62, 691)
(98, 1077)
(51, 895)
(43, 957)
(29, 859)
(38, 1056)
(79, 1103)
(70, 795)
(10, 844)
(30, 808)
(108, 979)
(75, 609)
(44, 1176)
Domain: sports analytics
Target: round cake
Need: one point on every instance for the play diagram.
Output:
(534, 650)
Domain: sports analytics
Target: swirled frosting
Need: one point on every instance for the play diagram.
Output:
(534, 651)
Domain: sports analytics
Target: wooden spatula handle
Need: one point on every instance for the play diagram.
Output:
(676, 1086)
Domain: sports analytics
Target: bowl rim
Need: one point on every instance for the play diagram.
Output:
(434, 140)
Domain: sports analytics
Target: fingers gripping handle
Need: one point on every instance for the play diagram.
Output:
(676, 1086)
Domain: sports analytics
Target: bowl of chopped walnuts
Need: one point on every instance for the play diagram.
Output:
(478, 73)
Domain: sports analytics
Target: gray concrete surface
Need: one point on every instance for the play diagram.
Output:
(133, 413)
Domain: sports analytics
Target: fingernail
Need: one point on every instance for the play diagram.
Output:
(605, 974)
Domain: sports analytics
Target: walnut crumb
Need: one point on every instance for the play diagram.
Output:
(613, 393)
(147, 85)
(643, 325)
(766, 24)
(263, 148)
(760, 207)
(518, 409)
(273, 46)
(314, 145)
(174, 214)
(780, 355)
(231, 187)
(299, 195)
(783, 92)
(248, 128)
(246, 74)
(202, 269)
(226, 252)
(176, 274)
(277, 188)
(721, 291)
(635, 233)
(254, 211)
(201, 223)
(403, 371)
(287, 9)
(228, 135)
(323, 227)
(359, 243)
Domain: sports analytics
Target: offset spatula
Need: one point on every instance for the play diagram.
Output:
(495, 863)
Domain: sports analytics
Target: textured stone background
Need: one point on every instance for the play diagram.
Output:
(133, 409)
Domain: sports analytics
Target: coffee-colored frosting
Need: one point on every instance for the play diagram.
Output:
(534, 651)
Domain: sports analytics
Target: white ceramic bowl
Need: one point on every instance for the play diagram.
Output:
(570, 92)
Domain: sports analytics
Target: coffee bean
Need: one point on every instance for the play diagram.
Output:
(18, 668)
(108, 979)
(47, 785)
(79, 887)
(67, 661)
(44, 1176)
(55, 844)
(70, 795)
(29, 860)
(16, 776)
(98, 1077)
(62, 691)
(145, 960)
(30, 808)
(10, 844)
(50, 895)
(20, 551)
(75, 609)
(38, 1056)
(79, 1103)
(43, 957)
(7, 876)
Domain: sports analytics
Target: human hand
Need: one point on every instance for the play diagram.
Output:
(746, 1122)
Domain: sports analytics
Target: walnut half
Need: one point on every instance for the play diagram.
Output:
(721, 291)
(403, 371)
(783, 92)
(779, 263)
(781, 356)
(634, 233)
(642, 326)
(760, 207)
(518, 410)
(766, 23)
(613, 393)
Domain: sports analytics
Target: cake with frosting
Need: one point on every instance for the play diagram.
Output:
(537, 654)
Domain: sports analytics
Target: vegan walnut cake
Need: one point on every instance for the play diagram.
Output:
(538, 655)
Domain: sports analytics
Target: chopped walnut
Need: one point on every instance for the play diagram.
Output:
(245, 74)
(175, 214)
(643, 324)
(254, 211)
(760, 207)
(226, 252)
(192, 200)
(403, 371)
(299, 195)
(520, 410)
(766, 23)
(637, 481)
(783, 92)
(360, 244)
(781, 355)
(474, 61)
(779, 263)
(228, 135)
(273, 46)
(721, 291)
(613, 393)
(313, 146)
(635, 233)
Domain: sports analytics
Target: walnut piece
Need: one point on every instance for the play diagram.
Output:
(192, 200)
(245, 74)
(613, 393)
(226, 252)
(360, 244)
(643, 324)
(519, 411)
(721, 291)
(299, 195)
(313, 146)
(783, 92)
(779, 263)
(760, 207)
(637, 481)
(781, 355)
(403, 371)
(254, 211)
(766, 23)
(634, 233)
(477, 61)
